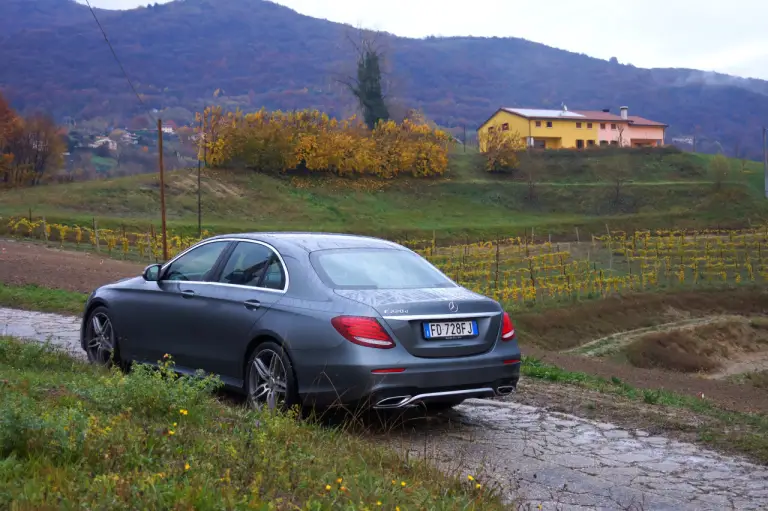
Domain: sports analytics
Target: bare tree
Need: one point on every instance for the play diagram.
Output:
(616, 171)
(620, 128)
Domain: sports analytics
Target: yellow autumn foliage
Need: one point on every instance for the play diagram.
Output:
(312, 141)
(501, 149)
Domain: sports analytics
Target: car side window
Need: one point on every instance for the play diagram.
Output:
(255, 265)
(195, 265)
(274, 278)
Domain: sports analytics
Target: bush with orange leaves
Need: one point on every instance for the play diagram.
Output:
(500, 149)
(312, 141)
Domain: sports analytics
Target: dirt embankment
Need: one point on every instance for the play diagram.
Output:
(24, 263)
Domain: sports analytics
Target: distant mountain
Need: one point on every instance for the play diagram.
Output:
(262, 54)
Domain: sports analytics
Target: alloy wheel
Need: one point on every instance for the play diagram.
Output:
(101, 341)
(268, 380)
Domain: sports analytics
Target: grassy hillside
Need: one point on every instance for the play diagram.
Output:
(665, 189)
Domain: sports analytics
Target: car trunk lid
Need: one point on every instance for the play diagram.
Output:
(435, 322)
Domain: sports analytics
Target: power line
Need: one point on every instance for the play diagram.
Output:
(117, 59)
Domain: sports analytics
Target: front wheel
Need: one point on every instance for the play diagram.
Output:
(101, 339)
(270, 379)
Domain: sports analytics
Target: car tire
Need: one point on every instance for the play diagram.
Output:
(101, 344)
(269, 378)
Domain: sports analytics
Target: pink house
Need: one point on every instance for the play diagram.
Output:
(627, 130)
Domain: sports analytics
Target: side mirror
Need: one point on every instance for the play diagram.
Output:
(152, 273)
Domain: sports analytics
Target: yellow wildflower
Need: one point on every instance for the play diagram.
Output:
(183, 411)
(402, 483)
(470, 478)
(327, 487)
(186, 466)
(171, 432)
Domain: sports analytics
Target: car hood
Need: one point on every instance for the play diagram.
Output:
(126, 282)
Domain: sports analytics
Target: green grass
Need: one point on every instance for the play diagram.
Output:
(73, 436)
(734, 431)
(42, 299)
(668, 189)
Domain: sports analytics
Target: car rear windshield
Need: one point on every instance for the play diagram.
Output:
(376, 269)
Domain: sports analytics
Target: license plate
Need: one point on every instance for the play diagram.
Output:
(450, 329)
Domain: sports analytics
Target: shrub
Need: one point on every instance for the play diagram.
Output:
(312, 141)
(501, 150)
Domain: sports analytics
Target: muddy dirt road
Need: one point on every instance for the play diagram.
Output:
(533, 455)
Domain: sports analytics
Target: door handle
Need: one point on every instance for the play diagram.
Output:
(252, 305)
(188, 294)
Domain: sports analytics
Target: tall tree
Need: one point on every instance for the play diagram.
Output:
(37, 147)
(367, 85)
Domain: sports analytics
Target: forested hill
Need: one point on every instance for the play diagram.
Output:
(256, 53)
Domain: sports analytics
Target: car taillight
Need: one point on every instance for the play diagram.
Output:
(363, 331)
(507, 328)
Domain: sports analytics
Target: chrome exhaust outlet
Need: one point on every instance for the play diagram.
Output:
(392, 402)
(505, 390)
(410, 401)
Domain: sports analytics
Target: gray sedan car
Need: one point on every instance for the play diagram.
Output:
(309, 319)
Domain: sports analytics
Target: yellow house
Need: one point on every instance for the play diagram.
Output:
(558, 129)
(545, 129)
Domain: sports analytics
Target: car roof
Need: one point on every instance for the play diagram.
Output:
(313, 241)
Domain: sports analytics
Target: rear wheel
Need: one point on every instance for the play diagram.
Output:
(270, 379)
(101, 339)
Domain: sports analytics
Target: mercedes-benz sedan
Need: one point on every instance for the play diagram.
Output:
(309, 319)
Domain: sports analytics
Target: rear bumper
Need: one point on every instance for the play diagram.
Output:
(421, 381)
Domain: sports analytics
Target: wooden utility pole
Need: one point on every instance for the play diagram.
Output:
(199, 198)
(162, 186)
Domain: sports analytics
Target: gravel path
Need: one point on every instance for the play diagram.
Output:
(556, 460)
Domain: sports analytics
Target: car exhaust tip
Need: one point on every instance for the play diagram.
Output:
(392, 402)
(505, 390)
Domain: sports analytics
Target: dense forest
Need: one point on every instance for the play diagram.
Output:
(253, 53)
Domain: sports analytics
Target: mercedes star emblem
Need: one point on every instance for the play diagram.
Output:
(453, 307)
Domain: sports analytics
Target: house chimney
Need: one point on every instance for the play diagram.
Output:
(625, 112)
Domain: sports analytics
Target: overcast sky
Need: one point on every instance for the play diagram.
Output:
(729, 36)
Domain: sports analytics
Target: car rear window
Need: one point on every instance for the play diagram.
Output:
(376, 269)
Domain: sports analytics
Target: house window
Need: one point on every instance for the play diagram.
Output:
(602, 125)
(505, 126)
(549, 124)
(578, 125)
(579, 144)
(614, 142)
(590, 143)
(589, 125)
(538, 124)
(613, 126)
(603, 142)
